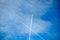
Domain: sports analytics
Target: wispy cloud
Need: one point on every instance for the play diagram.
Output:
(17, 18)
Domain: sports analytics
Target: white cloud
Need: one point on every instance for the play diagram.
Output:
(17, 22)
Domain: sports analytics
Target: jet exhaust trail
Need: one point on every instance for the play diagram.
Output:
(30, 27)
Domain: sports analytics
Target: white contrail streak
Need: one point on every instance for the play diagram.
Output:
(30, 27)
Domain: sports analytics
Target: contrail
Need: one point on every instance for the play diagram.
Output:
(30, 27)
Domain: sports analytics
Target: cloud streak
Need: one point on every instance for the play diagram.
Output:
(17, 18)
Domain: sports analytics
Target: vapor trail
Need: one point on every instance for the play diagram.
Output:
(30, 27)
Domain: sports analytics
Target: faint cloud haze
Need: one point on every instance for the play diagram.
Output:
(16, 17)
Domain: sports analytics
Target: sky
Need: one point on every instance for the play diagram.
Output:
(29, 20)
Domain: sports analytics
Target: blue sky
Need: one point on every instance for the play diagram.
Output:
(29, 20)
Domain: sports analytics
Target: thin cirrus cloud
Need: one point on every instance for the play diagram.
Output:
(16, 17)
